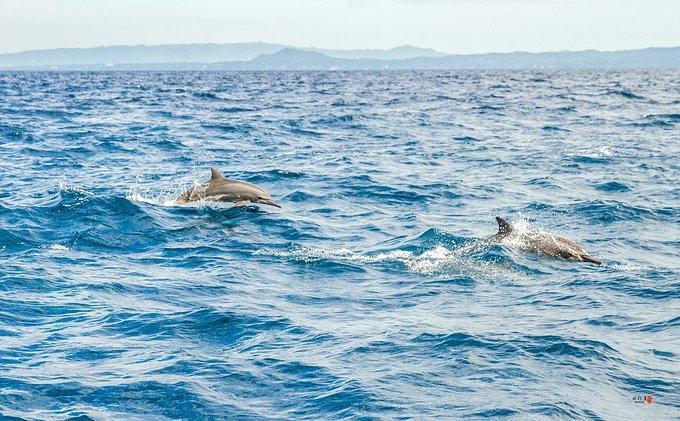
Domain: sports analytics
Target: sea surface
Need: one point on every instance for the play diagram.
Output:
(366, 296)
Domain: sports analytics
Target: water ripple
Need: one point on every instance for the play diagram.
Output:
(368, 295)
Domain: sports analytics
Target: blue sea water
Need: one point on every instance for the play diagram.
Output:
(365, 296)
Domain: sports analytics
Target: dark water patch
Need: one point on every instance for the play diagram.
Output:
(545, 182)
(606, 321)
(434, 237)
(462, 281)
(13, 132)
(304, 132)
(658, 120)
(662, 325)
(29, 313)
(336, 119)
(15, 239)
(549, 128)
(458, 340)
(227, 128)
(612, 186)
(495, 413)
(650, 384)
(663, 354)
(80, 220)
(624, 93)
(206, 95)
(607, 212)
(274, 175)
(230, 110)
(592, 158)
(466, 139)
(173, 115)
(151, 398)
(365, 187)
(550, 346)
(228, 329)
(486, 108)
(331, 395)
(559, 410)
(300, 196)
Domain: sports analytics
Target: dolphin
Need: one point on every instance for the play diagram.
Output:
(220, 189)
(542, 243)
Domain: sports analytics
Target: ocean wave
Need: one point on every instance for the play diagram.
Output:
(613, 186)
(236, 109)
(609, 211)
(368, 295)
(658, 120)
(625, 93)
(439, 260)
(227, 128)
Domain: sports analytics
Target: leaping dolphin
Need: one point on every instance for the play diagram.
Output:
(220, 189)
(542, 243)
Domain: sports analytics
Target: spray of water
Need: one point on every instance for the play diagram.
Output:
(164, 195)
(439, 261)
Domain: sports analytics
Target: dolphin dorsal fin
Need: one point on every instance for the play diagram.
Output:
(503, 226)
(215, 175)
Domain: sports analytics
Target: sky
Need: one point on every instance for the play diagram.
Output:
(453, 26)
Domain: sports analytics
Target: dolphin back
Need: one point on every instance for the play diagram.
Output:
(542, 243)
(236, 189)
(221, 189)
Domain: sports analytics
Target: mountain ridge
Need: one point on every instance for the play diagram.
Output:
(186, 53)
(265, 56)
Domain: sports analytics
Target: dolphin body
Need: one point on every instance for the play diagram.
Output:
(220, 189)
(542, 243)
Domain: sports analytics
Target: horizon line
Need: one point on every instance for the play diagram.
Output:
(339, 49)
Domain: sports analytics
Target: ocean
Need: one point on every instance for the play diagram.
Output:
(366, 296)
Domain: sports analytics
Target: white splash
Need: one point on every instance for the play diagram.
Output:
(136, 194)
(158, 196)
(437, 261)
(65, 187)
(602, 151)
(630, 267)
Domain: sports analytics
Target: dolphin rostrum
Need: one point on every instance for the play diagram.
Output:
(542, 243)
(220, 189)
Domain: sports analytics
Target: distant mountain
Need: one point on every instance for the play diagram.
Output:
(292, 59)
(262, 56)
(287, 59)
(172, 53)
(185, 53)
(397, 53)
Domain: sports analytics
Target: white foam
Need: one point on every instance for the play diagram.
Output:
(602, 151)
(64, 186)
(436, 261)
(159, 199)
(629, 267)
(157, 196)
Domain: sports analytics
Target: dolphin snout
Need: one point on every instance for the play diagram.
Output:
(268, 202)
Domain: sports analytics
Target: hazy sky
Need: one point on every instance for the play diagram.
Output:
(455, 26)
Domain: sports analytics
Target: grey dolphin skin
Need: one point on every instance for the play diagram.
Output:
(542, 243)
(220, 189)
